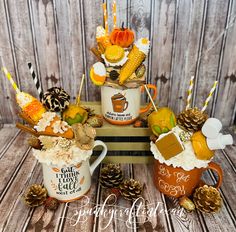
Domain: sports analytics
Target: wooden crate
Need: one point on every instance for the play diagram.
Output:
(126, 144)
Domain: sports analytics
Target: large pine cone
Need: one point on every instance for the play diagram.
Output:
(131, 189)
(207, 199)
(35, 196)
(56, 99)
(111, 176)
(192, 119)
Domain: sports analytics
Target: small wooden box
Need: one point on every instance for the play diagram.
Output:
(126, 144)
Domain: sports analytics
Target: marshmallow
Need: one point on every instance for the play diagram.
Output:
(219, 142)
(211, 128)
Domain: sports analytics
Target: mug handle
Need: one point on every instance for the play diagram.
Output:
(215, 167)
(100, 157)
(150, 86)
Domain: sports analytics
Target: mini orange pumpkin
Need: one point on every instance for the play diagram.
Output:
(123, 37)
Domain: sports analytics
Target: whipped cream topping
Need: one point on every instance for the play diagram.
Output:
(61, 156)
(186, 159)
(24, 99)
(60, 127)
(100, 32)
(143, 45)
(119, 63)
(45, 121)
(99, 69)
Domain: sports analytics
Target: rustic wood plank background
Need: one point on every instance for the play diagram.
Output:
(186, 36)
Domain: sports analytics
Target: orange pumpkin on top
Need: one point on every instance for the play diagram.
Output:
(123, 37)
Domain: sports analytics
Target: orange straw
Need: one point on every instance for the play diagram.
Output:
(105, 17)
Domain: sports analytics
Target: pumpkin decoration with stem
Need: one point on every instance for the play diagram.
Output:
(123, 37)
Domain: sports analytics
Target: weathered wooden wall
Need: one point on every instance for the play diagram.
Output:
(55, 35)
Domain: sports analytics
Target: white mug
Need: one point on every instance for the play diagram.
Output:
(71, 182)
(122, 106)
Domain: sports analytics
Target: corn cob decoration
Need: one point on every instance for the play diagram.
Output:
(136, 57)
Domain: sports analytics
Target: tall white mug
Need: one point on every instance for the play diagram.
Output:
(71, 182)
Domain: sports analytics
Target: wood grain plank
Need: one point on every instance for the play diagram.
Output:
(8, 108)
(140, 22)
(187, 41)
(69, 20)
(226, 97)
(12, 158)
(161, 48)
(22, 41)
(157, 221)
(44, 34)
(215, 24)
(118, 223)
(93, 17)
(7, 136)
(14, 212)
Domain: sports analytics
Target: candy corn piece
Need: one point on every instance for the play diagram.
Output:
(103, 39)
(30, 106)
(136, 57)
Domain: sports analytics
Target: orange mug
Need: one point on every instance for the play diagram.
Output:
(122, 106)
(176, 182)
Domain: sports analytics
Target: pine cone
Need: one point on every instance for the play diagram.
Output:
(191, 119)
(111, 176)
(36, 195)
(51, 203)
(131, 189)
(207, 199)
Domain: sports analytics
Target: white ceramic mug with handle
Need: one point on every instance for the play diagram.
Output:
(69, 183)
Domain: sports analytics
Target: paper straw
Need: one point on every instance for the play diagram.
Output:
(114, 14)
(190, 92)
(209, 96)
(105, 17)
(36, 81)
(9, 77)
(80, 89)
(150, 97)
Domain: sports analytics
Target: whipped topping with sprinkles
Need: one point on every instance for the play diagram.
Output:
(186, 159)
(60, 127)
(45, 121)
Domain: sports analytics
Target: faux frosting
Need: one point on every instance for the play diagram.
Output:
(60, 127)
(143, 45)
(186, 159)
(60, 153)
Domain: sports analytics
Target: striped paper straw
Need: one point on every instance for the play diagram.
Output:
(9, 77)
(36, 81)
(114, 14)
(209, 96)
(190, 92)
(105, 17)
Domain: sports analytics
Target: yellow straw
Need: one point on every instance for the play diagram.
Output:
(80, 89)
(190, 90)
(114, 13)
(9, 77)
(209, 96)
(105, 17)
(150, 97)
